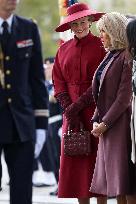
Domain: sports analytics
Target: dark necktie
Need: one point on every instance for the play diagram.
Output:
(5, 35)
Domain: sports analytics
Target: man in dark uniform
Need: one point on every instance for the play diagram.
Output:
(55, 122)
(50, 155)
(23, 98)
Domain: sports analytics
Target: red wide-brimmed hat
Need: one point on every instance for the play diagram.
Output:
(76, 11)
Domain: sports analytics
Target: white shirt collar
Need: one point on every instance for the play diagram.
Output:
(9, 21)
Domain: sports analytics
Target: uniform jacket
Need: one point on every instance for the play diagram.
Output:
(75, 64)
(113, 99)
(24, 98)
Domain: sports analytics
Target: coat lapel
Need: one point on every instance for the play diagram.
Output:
(106, 68)
(95, 87)
(15, 32)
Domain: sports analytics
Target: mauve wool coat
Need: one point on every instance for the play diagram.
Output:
(75, 64)
(113, 98)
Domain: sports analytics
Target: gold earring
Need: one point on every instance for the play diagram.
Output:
(90, 25)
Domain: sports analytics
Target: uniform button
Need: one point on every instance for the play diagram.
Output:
(9, 100)
(8, 72)
(7, 58)
(8, 86)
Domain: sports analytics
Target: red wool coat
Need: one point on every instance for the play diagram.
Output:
(75, 64)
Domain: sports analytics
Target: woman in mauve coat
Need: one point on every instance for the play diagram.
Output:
(75, 64)
(112, 91)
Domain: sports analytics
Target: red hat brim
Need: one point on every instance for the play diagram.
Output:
(65, 25)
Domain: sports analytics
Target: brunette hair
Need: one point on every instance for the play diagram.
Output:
(131, 36)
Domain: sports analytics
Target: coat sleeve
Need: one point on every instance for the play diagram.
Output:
(37, 82)
(59, 82)
(60, 86)
(123, 98)
(95, 117)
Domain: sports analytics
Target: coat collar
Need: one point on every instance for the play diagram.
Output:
(15, 25)
(84, 40)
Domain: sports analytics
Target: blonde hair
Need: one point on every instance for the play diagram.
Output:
(114, 24)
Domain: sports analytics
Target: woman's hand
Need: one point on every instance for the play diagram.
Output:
(95, 125)
(74, 123)
(99, 129)
(72, 116)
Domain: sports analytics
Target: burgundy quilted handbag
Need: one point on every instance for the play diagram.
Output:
(77, 143)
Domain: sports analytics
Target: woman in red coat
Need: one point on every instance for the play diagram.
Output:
(75, 64)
